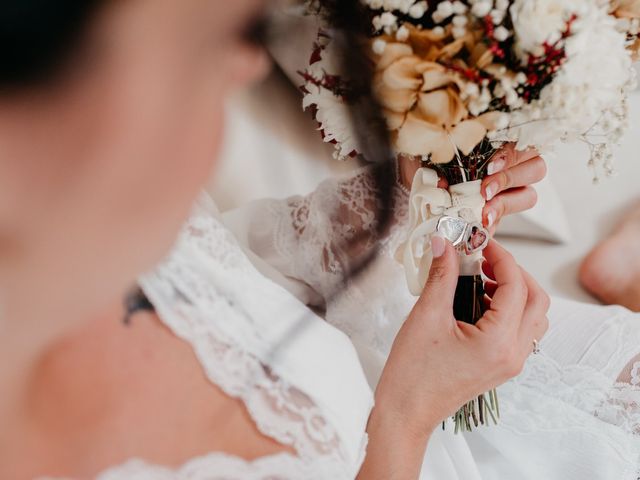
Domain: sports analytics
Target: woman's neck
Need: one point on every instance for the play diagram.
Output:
(28, 330)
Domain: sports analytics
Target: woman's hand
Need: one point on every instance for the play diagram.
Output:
(507, 186)
(437, 364)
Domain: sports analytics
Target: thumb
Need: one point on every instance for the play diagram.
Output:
(440, 288)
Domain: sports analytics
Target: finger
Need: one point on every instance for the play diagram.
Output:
(490, 288)
(522, 175)
(508, 157)
(486, 301)
(510, 296)
(440, 288)
(488, 270)
(508, 203)
(534, 323)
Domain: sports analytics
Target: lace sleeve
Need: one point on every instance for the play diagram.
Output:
(310, 238)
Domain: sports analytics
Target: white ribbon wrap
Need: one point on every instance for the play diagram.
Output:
(427, 204)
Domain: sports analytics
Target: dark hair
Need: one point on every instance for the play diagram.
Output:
(351, 24)
(37, 37)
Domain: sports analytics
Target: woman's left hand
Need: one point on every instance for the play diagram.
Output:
(507, 187)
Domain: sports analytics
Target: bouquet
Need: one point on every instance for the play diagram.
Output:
(456, 80)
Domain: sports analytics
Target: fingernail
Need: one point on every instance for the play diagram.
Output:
(496, 166)
(491, 217)
(491, 190)
(437, 246)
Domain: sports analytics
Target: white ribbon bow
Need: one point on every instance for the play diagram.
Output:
(427, 205)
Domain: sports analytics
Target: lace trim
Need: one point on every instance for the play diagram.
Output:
(576, 390)
(623, 401)
(221, 467)
(217, 466)
(317, 231)
(188, 303)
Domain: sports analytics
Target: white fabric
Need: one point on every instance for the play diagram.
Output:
(571, 414)
(566, 416)
(299, 378)
(547, 221)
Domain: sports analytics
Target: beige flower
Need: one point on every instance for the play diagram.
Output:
(629, 10)
(626, 8)
(421, 98)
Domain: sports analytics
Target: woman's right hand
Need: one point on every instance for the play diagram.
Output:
(437, 363)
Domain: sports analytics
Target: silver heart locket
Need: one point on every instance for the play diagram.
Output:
(470, 237)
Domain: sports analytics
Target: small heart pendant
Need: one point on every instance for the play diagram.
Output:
(453, 229)
(477, 238)
(471, 237)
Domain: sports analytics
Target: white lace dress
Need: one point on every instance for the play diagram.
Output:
(299, 378)
(573, 414)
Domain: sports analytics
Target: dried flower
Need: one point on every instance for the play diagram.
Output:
(422, 102)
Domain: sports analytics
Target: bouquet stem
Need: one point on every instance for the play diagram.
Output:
(469, 300)
(468, 306)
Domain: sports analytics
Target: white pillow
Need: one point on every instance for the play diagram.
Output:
(546, 221)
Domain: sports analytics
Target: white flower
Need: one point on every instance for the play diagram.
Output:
(497, 16)
(501, 34)
(588, 91)
(445, 9)
(333, 116)
(459, 8)
(482, 8)
(460, 20)
(418, 10)
(379, 45)
(536, 22)
(458, 32)
(388, 19)
(401, 35)
(391, 4)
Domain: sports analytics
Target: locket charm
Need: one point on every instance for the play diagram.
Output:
(470, 237)
(477, 238)
(453, 229)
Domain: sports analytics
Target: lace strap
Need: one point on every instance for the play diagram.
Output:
(259, 344)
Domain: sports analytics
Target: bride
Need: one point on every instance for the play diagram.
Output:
(218, 371)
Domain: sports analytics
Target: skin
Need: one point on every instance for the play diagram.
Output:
(422, 386)
(611, 271)
(98, 171)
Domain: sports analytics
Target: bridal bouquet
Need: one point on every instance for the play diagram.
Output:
(458, 79)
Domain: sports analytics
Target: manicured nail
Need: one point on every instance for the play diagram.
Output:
(437, 246)
(491, 190)
(496, 166)
(491, 217)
